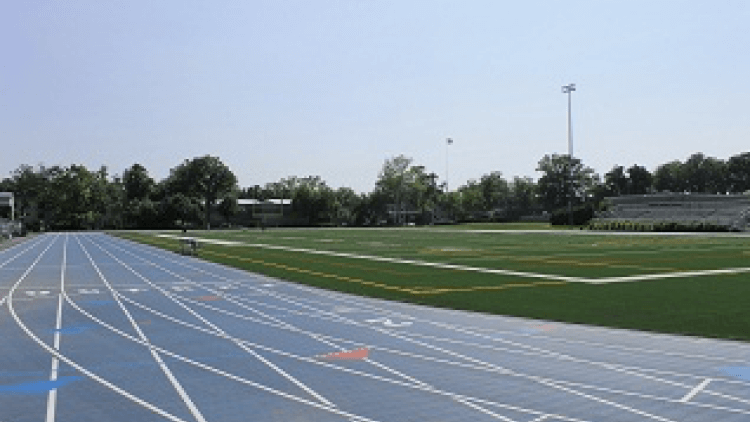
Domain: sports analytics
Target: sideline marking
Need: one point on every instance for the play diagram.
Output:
(695, 390)
(602, 280)
(417, 290)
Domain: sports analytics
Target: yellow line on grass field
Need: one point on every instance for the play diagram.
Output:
(414, 291)
(524, 274)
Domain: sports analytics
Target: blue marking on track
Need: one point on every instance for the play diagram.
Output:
(77, 329)
(37, 387)
(22, 373)
(741, 372)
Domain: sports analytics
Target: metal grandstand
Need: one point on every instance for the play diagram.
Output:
(728, 211)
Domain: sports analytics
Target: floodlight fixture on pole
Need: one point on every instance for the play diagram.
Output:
(448, 141)
(568, 89)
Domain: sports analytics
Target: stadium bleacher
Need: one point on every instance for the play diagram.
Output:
(729, 212)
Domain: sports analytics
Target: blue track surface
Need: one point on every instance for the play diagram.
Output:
(94, 328)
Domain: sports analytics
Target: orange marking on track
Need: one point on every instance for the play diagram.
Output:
(356, 354)
(208, 298)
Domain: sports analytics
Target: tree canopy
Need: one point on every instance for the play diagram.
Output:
(75, 197)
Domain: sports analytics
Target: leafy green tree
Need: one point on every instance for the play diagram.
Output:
(705, 174)
(738, 173)
(228, 207)
(137, 183)
(73, 199)
(472, 201)
(640, 180)
(204, 177)
(345, 205)
(523, 195)
(564, 177)
(617, 182)
(495, 191)
(670, 177)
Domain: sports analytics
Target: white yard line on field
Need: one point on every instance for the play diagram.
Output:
(572, 279)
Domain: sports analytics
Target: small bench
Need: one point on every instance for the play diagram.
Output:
(189, 246)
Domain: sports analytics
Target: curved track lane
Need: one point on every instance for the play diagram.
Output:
(98, 328)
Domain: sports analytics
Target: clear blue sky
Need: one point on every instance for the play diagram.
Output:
(333, 88)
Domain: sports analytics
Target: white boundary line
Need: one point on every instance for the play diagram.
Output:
(695, 390)
(548, 354)
(340, 298)
(433, 360)
(221, 332)
(348, 299)
(293, 328)
(210, 368)
(52, 397)
(422, 386)
(70, 362)
(162, 365)
(318, 312)
(541, 380)
(572, 279)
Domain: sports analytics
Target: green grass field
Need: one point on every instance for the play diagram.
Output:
(454, 268)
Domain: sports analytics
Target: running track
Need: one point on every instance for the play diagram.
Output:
(95, 328)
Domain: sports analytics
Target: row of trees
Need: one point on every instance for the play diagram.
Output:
(77, 198)
(74, 197)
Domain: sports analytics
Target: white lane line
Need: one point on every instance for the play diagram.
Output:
(52, 397)
(162, 365)
(209, 368)
(483, 410)
(434, 361)
(68, 361)
(695, 390)
(222, 333)
(541, 380)
(313, 335)
(317, 314)
(34, 243)
(548, 354)
(283, 323)
(472, 331)
(410, 385)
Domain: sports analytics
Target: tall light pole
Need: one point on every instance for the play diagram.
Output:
(568, 89)
(448, 141)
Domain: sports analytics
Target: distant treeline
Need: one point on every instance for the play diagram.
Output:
(203, 191)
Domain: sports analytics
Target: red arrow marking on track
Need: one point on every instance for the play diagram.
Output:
(356, 354)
